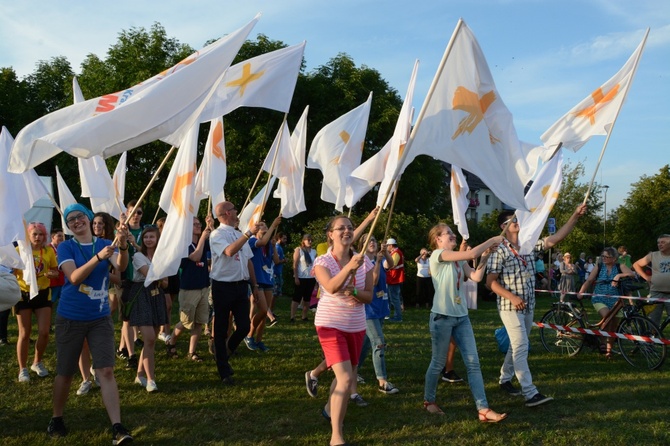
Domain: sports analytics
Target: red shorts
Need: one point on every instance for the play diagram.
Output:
(339, 346)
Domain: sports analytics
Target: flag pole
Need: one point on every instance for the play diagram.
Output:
(272, 166)
(419, 119)
(156, 215)
(602, 152)
(388, 221)
(146, 189)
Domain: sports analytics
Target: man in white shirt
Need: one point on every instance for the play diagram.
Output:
(232, 273)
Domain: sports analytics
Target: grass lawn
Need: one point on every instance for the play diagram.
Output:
(597, 402)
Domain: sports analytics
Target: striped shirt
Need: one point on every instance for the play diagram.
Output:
(338, 311)
(516, 273)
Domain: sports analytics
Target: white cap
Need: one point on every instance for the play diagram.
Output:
(391, 241)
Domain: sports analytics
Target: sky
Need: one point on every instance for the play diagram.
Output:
(545, 56)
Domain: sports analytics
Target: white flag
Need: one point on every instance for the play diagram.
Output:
(595, 114)
(540, 199)
(337, 149)
(211, 177)
(466, 123)
(18, 192)
(367, 175)
(114, 123)
(65, 198)
(29, 274)
(459, 200)
(251, 214)
(11, 259)
(398, 142)
(177, 200)
(290, 190)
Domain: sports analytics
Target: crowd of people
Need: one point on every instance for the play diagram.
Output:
(235, 276)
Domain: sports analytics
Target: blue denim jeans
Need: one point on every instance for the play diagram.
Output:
(442, 328)
(395, 299)
(374, 337)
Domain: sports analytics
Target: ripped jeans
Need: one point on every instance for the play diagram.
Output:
(374, 340)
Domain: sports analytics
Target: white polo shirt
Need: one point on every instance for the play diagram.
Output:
(225, 268)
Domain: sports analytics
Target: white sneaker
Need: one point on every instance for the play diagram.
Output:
(84, 387)
(39, 369)
(165, 337)
(151, 386)
(24, 376)
(141, 380)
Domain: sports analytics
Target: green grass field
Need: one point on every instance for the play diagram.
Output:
(597, 402)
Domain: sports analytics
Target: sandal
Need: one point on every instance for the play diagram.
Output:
(432, 408)
(195, 358)
(493, 418)
(171, 350)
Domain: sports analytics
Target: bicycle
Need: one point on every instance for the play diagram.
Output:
(637, 353)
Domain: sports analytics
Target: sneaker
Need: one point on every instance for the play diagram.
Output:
(151, 386)
(273, 322)
(123, 353)
(163, 337)
(250, 343)
(24, 376)
(537, 400)
(4, 341)
(84, 387)
(262, 347)
(312, 384)
(509, 388)
(360, 402)
(131, 363)
(360, 379)
(120, 435)
(451, 377)
(56, 427)
(39, 368)
(141, 380)
(388, 388)
(95, 377)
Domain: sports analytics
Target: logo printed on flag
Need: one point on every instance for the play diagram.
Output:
(181, 183)
(470, 102)
(599, 100)
(246, 78)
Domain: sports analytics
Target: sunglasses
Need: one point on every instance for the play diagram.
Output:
(344, 228)
(511, 220)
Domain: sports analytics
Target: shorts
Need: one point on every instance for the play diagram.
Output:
(70, 337)
(42, 300)
(193, 307)
(303, 292)
(265, 286)
(340, 346)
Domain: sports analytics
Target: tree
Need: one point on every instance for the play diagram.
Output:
(644, 214)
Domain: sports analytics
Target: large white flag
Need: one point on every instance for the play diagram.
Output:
(15, 198)
(114, 123)
(211, 177)
(337, 149)
(595, 114)
(398, 142)
(367, 175)
(466, 123)
(177, 199)
(251, 214)
(540, 199)
(459, 200)
(65, 198)
(11, 259)
(291, 187)
(96, 183)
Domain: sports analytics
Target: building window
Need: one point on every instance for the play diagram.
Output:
(487, 199)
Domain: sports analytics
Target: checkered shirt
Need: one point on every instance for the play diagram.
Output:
(514, 276)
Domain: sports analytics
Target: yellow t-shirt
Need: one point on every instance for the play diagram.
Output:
(44, 259)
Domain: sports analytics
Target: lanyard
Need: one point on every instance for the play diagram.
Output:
(458, 279)
(82, 249)
(516, 254)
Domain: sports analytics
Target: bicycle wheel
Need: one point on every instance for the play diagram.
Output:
(641, 354)
(561, 342)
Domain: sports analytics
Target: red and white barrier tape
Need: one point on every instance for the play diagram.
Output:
(607, 334)
(648, 299)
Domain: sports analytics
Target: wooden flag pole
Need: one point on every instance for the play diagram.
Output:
(388, 221)
(419, 119)
(153, 222)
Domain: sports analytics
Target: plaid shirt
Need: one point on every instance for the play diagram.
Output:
(516, 273)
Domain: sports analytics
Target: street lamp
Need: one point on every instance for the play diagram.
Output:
(605, 187)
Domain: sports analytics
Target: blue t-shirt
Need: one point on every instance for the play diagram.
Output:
(379, 307)
(89, 300)
(279, 267)
(195, 275)
(262, 261)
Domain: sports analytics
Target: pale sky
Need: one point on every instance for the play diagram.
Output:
(545, 56)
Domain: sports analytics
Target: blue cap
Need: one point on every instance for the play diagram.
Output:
(78, 207)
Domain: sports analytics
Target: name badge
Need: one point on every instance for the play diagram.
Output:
(154, 292)
(85, 289)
